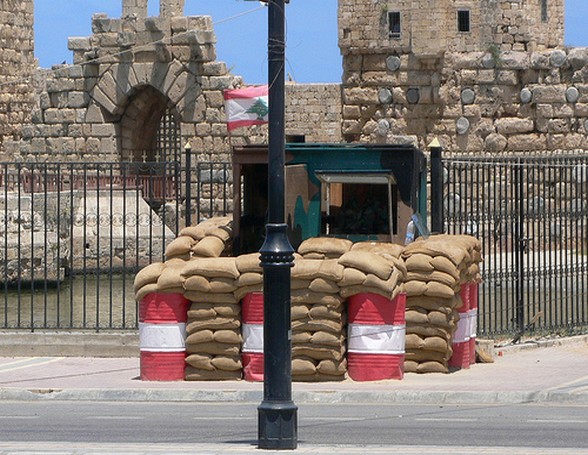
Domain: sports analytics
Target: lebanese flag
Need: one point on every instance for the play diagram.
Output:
(246, 106)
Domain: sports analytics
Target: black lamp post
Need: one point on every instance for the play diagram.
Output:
(277, 414)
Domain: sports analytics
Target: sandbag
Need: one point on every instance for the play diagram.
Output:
(170, 278)
(228, 310)
(249, 263)
(416, 316)
(227, 363)
(196, 374)
(180, 246)
(227, 336)
(148, 275)
(432, 367)
(299, 311)
(415, 288)
(196, 232)
(301, 337)
(213, 324)
(200, 361)
(419, 263)
(322, 285)
(436, 289)
(410, 366)
(413, 342)
(331, 367)
(209, 297)
(212, 267)
(317, 352)
(200, 336)
(249, 279)
(303, 366)
(381, 248)
(437, 344)
(309, 297)
(329, 246)
(319, 311)
(352, 277)
(201, 313)
(208, 247)
(222, 285)
(197, 283)
(316, 325)
(426, 330)
(213, 349)
(324, 338)
(367, 262)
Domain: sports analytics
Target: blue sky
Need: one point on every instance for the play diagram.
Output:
(312, 53)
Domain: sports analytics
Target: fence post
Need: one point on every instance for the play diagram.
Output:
(436, 188)
(188, 150)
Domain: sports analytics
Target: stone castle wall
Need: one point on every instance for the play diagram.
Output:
(470, 101)
(17, 67)
(430, 28)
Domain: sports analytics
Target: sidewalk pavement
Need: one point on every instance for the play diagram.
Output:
(554, 371)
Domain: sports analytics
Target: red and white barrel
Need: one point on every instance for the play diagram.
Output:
(461, 337)
(376, 337)
(162, 336)
(473, 315)
(252, 331)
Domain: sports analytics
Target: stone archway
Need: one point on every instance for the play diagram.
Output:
(140, 125)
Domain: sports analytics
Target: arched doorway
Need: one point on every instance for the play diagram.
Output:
(151, 142)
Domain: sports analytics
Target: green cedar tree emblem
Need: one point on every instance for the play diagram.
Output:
(258, 108)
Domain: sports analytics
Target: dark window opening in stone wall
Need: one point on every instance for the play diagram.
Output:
(463, 21)
(295, 138)
(394, 24)
(544, 10)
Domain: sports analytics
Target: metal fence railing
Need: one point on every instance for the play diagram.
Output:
(531, 215)
(73, 235)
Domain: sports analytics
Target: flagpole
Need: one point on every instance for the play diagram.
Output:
(277, 414)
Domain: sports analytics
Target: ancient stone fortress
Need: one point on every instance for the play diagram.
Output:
(479, 75)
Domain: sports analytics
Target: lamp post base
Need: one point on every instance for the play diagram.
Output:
(277, 425)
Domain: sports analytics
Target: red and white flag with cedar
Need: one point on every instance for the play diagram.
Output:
(246, 106)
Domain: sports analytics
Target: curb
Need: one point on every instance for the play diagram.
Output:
(308, 397)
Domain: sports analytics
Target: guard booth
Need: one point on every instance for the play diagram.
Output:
(355, 191)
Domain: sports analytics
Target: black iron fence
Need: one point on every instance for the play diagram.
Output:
(73, 235)
(531, 214)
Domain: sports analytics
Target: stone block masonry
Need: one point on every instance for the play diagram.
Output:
(17, 68)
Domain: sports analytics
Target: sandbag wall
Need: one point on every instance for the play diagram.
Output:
(326, 273)
(436, 270)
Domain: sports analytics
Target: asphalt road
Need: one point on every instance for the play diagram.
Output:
(532, 425)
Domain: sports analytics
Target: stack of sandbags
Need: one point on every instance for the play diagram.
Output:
(318, 321)
(213, 342)
(430, 324)
(436, 268)
(161, 277)
(370, 272)
(210, 238)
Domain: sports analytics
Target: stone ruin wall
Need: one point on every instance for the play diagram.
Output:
(91, 110)
(526, 92)
(471, 102)
(510, 86)
(18, 65)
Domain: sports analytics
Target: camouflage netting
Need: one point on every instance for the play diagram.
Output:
(326, 272)
(436, 268)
